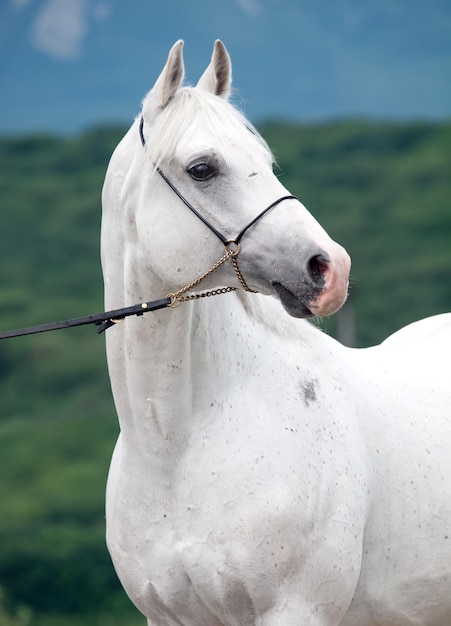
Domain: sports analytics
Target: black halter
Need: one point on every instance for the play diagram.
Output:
(219, 235)
(109, 318)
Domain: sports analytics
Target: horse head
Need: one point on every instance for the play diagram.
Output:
(221, 168)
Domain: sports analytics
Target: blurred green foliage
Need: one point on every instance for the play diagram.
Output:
(382, 190)
(21, 616)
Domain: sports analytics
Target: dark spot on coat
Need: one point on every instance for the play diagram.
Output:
(308, 388)
(239, 603)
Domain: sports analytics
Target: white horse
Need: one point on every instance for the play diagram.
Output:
(265, 474)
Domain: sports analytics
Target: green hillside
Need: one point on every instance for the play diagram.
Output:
(382, 190)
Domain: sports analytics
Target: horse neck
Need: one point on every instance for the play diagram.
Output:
(166, 367)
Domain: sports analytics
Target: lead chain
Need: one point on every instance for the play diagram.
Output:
(240, 275)
(178, 297)
(204, 294)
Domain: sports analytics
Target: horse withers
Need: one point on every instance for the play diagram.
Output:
(264, 474)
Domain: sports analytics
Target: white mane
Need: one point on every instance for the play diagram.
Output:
(189, 109)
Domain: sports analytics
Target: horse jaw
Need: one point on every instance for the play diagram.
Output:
(217, 78)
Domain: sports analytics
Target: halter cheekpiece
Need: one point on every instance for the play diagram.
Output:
(220, 236)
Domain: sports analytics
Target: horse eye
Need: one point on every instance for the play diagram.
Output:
(201, 171)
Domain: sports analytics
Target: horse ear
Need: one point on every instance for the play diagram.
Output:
(169, 80)
(217, 78)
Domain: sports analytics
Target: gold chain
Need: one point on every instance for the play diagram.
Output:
(240, 275)
(196, 296)
(178, 296)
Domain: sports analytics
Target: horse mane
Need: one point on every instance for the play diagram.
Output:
(180, 117)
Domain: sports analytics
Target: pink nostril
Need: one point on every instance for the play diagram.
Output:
(317, 266)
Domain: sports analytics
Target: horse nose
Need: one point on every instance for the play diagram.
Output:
(329, 276)
(317, 266)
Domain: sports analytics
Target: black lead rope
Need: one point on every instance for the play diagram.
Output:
(109, 318)
(102, 320)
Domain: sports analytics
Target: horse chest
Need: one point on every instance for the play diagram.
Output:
(236, 518)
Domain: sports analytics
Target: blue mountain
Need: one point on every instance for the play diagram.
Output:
(69, 64)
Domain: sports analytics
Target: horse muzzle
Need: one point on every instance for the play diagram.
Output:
(321, 288)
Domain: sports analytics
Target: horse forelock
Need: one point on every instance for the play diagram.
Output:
(190, 110)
